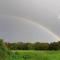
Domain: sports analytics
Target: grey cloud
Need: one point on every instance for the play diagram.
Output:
(44, 12)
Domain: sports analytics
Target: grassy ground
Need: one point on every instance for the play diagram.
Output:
(37, 55)
(29, 55)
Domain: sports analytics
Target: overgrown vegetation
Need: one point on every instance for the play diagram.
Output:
(5, 53)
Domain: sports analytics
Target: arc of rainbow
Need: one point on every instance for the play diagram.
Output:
(37, 25)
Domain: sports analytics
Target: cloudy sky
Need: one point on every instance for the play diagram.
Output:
(30, 20)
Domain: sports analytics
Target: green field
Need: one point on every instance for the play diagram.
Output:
(36, 55)
(29, 55)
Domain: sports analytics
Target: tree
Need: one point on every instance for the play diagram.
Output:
(20, 46)
(53, 46)
(41, 46)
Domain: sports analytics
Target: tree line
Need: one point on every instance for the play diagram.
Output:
(33, 46)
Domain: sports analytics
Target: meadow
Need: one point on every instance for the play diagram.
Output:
(28, 55)
(36, 55)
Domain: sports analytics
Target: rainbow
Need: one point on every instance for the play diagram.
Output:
(36, 25)
(39, 26)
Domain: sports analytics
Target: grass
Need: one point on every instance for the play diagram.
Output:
(37, 55)
(29, 55)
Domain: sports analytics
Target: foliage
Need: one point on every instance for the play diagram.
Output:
(33, 46)
(29, 52)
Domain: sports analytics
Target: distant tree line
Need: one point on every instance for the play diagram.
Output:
(33, 46)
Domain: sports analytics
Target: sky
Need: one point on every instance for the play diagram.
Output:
(30, 20)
